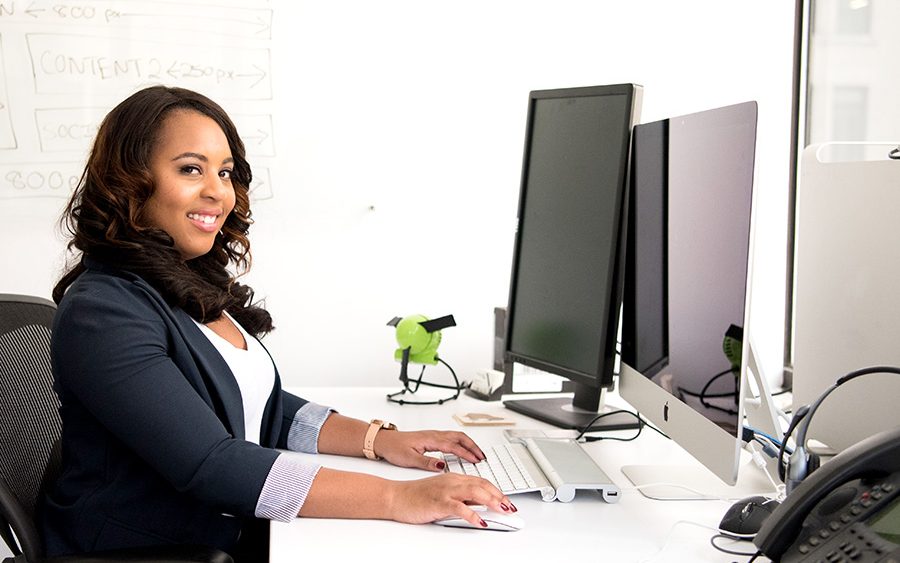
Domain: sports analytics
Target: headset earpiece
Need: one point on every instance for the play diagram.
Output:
(812, 463)
(802, 463)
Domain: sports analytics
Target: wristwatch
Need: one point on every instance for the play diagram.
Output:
(369, 443)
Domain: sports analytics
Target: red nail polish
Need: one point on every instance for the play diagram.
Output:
(514, 507)
(483, 524)
(441, 465)
(504, 507)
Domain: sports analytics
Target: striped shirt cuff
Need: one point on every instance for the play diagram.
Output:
(304, 433)
(285, 489)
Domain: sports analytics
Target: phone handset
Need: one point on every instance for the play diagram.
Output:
(875, 457)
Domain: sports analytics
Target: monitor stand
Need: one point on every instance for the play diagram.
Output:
(672, 482)
(575, 412)
(695, 482)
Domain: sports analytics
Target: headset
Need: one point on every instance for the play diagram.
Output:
(802, 461)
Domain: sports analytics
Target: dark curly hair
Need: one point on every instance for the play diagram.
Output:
(104, 215)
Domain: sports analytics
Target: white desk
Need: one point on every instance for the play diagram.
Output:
(634, 529)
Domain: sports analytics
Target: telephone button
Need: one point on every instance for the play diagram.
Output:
(887, 487)
(824, 534)
(845, 518)
(804, 549)
(814, 541)
(834, 525)
(852, 551)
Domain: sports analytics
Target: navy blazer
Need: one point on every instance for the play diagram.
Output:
(153, 448)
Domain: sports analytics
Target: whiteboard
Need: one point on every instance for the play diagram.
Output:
(385, 138)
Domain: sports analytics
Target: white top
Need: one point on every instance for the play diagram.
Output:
(255, 374)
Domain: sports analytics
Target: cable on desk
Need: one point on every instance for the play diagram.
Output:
(713, 539)
(758, 461)
(641, 424)
(775, 441)
(669, 537)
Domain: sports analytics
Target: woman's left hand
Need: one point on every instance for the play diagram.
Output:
(407, 449)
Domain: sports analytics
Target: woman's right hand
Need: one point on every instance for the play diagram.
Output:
(443, 496)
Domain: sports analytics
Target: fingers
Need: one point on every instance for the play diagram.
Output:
(474, 492)
(431, 463)
(485, 493)
(446, 495)
(458, 444)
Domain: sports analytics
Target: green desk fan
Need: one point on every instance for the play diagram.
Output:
(418, 339)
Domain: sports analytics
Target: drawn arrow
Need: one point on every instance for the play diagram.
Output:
(262, 137)
(265, 27)
(30, 10)
(261, 74)
(258, 191)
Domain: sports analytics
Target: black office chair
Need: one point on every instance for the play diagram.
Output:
(29, 441)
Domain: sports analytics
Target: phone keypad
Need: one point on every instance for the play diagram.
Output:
(840, 535)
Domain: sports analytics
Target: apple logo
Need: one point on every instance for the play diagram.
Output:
(666, 411)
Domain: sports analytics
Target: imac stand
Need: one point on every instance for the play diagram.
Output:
(695, 482)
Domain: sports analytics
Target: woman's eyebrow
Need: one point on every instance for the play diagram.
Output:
(198, 156)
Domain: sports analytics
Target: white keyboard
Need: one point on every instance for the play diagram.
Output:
(503, 467)
(554, 467)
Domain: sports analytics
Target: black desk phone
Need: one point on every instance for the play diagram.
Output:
(846, 511)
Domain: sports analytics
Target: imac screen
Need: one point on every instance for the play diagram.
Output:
(688, 255)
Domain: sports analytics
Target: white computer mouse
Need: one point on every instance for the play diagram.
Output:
(494, 521)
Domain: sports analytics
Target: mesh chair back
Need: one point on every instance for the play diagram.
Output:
(29, 411)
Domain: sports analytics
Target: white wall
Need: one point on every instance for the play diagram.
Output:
(397, 131)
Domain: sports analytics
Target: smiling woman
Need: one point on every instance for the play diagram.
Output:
(172, 410)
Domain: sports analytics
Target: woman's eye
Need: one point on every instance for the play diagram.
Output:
(190, 169)
(226, 174)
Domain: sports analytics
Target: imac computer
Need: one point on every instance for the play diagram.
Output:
(685, 321)
(564, 297)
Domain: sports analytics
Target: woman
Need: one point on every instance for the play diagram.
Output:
(172, 410)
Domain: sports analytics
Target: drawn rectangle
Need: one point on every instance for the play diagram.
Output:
(7, 134)
(39, 179)
(67, 64)
(68, 129)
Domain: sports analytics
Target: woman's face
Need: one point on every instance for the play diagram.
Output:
(191, 166)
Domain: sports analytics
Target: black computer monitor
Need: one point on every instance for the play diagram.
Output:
(565, 291)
